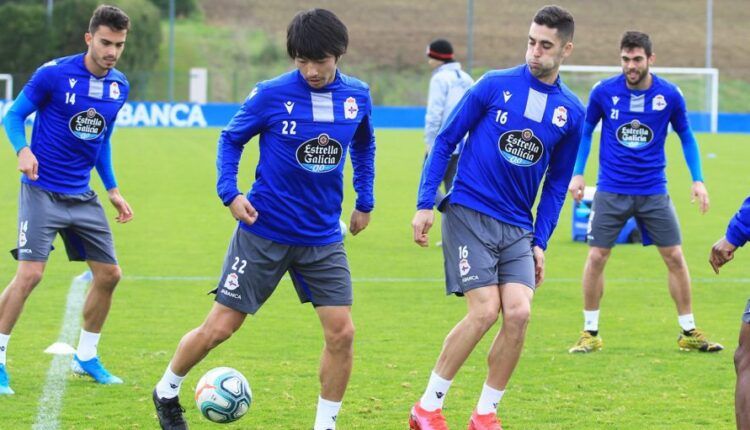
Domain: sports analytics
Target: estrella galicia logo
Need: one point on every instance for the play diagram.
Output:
(521, 147)
(634, 134)
(87, 125)
(321, 154)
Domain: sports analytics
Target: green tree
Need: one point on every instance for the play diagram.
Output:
(23, 40)
(181, 7)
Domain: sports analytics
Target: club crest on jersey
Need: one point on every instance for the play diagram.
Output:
(560, 116)
(634, 134)
(114, 91)
(658, 102)
(350, 108)
(521, 147)
(87, 125)
(320, 154)
(615, 99)
(232, 282)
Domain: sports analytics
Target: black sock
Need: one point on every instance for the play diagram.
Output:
(592, 332)
(688, 332)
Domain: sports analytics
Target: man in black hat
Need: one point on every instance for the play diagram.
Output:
(447, 85)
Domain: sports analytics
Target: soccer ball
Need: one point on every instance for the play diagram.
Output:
(223, 395)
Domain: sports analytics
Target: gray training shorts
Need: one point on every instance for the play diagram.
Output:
(480, 251)
(654, 213)
(746, 314)
(79, 218)
(254, 266)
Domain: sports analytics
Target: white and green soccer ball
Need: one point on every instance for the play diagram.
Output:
(223, 395)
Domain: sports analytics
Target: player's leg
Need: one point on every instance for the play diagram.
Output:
(321, 276)
(335, 362)
(658, 215)
(504, 354)
(470, 270)
(39, 218)
(517, 278)
(28, 276)
(89, 238)
(742, 366)
(218, 326)
(253, 266)
(483, 308)
(609, 213)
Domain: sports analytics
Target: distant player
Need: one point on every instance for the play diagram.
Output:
(636, 108)
(738, 233)
(448, 84)
(76, 100)
(524, 126)
(308, 120)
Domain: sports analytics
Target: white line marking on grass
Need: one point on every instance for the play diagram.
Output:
(713, 280)
(50, 403)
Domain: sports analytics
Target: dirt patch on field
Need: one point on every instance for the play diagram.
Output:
(394, 33)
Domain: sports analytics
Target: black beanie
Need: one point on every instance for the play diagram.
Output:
(440, 49)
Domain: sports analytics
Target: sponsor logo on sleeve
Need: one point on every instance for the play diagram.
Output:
(521, 147)
(87, 125)
(634, 134)
(320, 154)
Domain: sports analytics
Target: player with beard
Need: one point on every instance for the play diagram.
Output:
(636, 108)
(524, 126)
(76, 100)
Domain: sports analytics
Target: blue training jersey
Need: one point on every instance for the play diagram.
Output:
(76, 113)
(305, 134)
(738, 231)
(634, 127)
(520, 129)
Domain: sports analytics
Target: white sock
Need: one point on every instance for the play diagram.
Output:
(4, 338)
(434, 395)
(489, 400)
(169, 385)
(87, 345)
(325, 419)
(591, 320)
(687, 322)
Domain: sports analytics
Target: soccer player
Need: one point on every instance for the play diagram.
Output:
(738, 233)
(524, 125)
(76, 100)
(636, 108)
(307, 119)
(447, 85)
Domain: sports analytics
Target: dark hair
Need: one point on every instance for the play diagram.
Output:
(556, 17)
(109, 16)
(315, 34)
(636, 39)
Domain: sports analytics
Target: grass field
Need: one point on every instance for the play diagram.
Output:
(172, 252)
